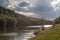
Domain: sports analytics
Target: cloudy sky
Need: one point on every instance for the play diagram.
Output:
(47, 9)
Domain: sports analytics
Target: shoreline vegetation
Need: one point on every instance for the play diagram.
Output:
(48, 34)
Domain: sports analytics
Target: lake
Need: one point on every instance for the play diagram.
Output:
(23, 34)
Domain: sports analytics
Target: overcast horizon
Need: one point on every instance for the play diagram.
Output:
(48, 9)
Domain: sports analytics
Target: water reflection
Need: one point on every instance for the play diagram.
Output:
(23, 34)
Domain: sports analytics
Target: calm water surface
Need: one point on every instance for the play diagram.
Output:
(24, 34)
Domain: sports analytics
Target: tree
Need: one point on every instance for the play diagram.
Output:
(57, 20)
(2, 23)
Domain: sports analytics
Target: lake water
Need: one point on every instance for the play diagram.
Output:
(24, 34)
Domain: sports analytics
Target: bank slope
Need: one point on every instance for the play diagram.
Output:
(48, 34)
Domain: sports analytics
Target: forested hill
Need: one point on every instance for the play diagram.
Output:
(10, 19)
(11, 16)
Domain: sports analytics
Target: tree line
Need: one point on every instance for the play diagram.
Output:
(57, 20)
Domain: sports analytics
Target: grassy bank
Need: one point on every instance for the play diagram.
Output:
(48, 34)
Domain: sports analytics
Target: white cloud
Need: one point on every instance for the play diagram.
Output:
(41, 7)
(25, 8)
(15, 3)
(55, 4)
(28, 14)
(12, 4)
(10, 7)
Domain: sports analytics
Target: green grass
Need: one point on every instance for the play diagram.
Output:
(48, 34)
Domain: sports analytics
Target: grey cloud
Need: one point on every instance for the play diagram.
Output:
(41, 7)
(48, 15)
(19, 9)
(23, 4)
(57, 12)
(1, 2)
(44, 9)
(4, 3)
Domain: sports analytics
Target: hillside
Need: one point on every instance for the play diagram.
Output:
(10, 20)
